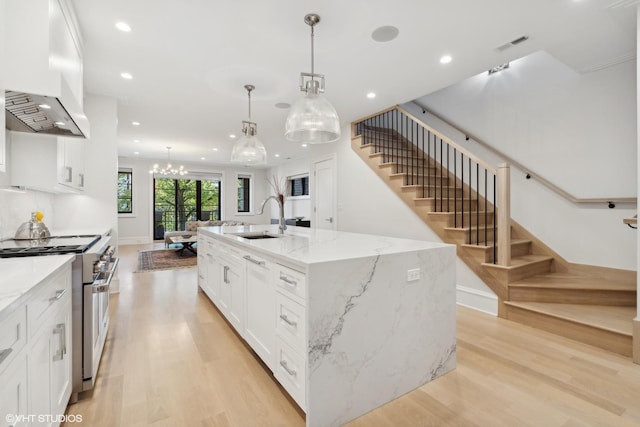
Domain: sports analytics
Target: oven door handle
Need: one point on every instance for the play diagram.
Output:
(102, 285)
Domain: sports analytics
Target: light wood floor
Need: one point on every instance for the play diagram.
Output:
(171, 360)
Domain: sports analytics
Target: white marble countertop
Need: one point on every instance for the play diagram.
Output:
(311, 245)
(19, 275)
(84, 231)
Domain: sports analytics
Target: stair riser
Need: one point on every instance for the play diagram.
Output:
(611, 341)
(461, 236)
(510, 276)
(573, 296)
(451, 219)
(427, 174)
(486, 254)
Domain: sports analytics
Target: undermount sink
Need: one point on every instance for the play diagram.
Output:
(257, 235)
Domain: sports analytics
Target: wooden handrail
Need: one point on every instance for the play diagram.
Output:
(528, 171)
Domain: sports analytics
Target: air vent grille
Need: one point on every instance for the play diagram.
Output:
(512, 43)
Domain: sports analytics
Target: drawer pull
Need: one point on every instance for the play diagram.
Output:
(5, 353)
(288, 322)
(288, 281)
(226, 274)
(255, 261)
(59, 294)
(286, 367)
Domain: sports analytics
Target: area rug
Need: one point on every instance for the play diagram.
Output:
(165, 259)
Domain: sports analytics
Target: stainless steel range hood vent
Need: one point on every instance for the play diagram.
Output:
(38, 114)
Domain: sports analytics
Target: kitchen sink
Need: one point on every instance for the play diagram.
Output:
(258, 235)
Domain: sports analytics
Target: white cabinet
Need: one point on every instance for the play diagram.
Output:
(47, 163)
(49, 361)
(35, 354)
(232, 289)
(260, 322)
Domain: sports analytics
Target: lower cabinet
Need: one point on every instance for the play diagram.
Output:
(35, 371)
(260, 304)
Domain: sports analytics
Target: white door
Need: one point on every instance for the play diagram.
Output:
(325, 192)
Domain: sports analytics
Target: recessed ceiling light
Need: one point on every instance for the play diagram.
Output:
(371, 95)
(215, 149)
(45, 106)
(445, 59)
(283, 105)
(231, 135)
(498, 68)
(136, 152)
(126, 76)
(60, 123)
(136, 140)
(203, 158)
(276, 155)
(304, 145)
(123, 26)
(135, 123)
(385, 33)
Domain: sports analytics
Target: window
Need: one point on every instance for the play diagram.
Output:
(125, 191)
(244, 193)
(299, 186)
(177, 201)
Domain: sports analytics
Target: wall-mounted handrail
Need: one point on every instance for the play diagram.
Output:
(530, 173)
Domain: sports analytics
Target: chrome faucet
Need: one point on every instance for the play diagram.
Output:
(282, 225)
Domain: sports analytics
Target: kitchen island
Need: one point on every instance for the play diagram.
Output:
(346, 322)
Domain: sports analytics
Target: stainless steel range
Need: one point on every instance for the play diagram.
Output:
(92, 270)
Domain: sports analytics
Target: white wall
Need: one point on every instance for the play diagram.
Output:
(578, 131)
(137, 228)
(293, 206)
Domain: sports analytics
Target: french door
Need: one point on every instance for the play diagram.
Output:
(176, 201)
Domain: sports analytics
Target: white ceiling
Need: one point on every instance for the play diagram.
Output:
(191, 58)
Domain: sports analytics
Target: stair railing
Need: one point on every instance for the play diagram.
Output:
(446, 175)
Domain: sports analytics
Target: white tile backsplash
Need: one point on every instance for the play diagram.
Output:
(16, 208)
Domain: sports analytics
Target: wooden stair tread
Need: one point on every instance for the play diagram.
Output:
(517, 262)
(609, 318)
(567, 281)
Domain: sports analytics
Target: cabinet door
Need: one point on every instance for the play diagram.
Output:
(71, 162)
(234, 289)
(260, 307)
(61, 360)
(39, 370)
(214, 278)
(13, 393)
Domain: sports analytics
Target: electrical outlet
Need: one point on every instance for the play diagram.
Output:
(413, 275)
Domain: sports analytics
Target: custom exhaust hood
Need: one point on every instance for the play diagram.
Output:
(43, 69)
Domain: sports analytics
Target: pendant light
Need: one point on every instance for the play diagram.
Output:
(248, 150)
(312, 119)
(168, 169)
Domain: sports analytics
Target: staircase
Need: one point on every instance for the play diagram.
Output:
(465, 202)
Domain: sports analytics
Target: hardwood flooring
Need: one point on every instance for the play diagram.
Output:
(171, 360)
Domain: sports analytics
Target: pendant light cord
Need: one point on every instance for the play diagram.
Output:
(312, 62)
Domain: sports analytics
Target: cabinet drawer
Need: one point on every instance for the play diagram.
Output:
(291, 322)
(13, 336)
(291, 281)
(291, 372)
(55, 290)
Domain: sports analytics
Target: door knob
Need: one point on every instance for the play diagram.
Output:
(330, 219)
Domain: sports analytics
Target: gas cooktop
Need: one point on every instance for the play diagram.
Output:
(51, 246)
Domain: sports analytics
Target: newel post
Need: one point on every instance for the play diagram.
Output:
(504, 215)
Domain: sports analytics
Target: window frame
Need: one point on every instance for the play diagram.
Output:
(131, 213)
(308, 186)
(248, 197)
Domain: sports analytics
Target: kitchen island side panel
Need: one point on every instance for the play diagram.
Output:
(373, 335)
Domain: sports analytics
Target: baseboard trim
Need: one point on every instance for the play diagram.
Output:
(136, 240)
(636, 340)
(477, 300)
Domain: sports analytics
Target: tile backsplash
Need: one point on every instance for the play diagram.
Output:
(16, 208)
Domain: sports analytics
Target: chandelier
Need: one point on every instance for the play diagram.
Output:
(168, 169)
(312, 119)
(248, 150)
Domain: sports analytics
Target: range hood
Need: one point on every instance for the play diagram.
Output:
(43, 69)
(40, 114)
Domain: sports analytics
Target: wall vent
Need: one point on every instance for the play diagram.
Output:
(512, 43)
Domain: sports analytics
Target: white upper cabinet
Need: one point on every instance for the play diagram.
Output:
(43, 54)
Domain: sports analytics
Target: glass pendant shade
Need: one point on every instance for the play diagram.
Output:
(312, 119)
(249, 151)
